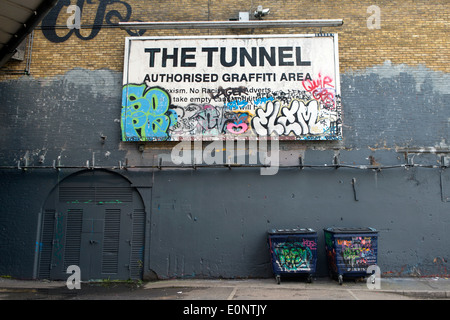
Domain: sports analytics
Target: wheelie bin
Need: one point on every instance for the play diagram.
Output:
(350, 251)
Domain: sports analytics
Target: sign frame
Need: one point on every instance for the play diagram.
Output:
(311, 112)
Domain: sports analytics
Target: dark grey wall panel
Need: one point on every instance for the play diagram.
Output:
(213, 222)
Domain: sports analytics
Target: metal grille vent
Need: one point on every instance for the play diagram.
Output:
(137, 244)
(95, 195)
(111, 236)
(73, 237)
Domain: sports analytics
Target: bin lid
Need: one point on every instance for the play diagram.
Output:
(292, 231)
(350, 230)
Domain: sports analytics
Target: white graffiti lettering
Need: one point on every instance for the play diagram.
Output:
(299, 118)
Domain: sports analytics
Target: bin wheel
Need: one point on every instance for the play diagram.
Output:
(278, 278)
(309, 279)
(340, 279)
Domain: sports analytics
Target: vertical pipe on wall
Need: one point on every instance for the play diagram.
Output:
(29, 54)
(441, 182)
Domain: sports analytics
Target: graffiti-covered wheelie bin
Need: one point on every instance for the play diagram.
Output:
(350, 251)
(293, 251)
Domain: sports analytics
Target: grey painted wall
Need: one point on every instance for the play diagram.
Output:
(213, 222)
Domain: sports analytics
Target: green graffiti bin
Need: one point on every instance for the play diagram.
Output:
(293, 252)
(350, 251)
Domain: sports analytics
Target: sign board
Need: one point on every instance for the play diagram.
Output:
(231, 87)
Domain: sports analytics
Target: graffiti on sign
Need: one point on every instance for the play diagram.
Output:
(147, 114)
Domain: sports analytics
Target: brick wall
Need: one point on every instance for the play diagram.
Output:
(411, 32)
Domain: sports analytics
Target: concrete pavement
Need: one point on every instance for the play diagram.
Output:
(230, 290)
(319, 289)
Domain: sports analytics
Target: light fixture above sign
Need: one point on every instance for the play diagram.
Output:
(261, 12)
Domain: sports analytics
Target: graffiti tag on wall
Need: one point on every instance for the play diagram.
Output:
(218, 89)
(108, 12)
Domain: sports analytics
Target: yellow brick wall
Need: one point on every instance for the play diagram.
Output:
(411, 32)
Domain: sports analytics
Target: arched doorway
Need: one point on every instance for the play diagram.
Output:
(95, 220)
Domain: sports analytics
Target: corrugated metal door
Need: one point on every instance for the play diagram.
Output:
(96, 221)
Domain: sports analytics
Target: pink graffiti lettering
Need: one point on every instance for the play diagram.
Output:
(237, 128)
(309, 243)
(239, 123)
(321, 89)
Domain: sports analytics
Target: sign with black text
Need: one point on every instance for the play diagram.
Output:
(231, 87)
